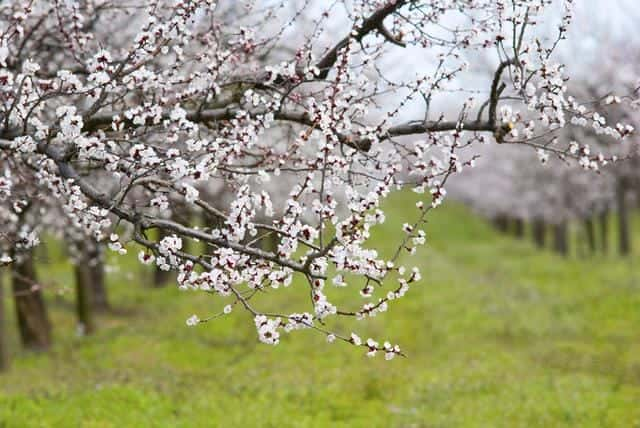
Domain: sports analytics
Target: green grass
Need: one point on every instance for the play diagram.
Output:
(497, 335)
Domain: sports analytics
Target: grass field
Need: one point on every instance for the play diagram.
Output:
(497, 335)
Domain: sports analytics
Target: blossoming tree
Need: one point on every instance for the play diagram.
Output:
(508, 184)
(115, 111)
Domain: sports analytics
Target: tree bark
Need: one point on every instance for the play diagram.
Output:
(518, 228)
(501, 223)
(624, 240)
(160, 277)
(99, 296)
(539, 235)
(4, 351)
(561, 239)
(604, 230)
(84, 302)
(590, 233)
(31, 312)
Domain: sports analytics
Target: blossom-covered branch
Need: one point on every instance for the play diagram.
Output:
(272, 128)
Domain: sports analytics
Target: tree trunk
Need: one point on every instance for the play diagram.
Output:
(604, 231)
(590, 232)
(561, 239)
(4, 351)
(84, 312)
(31, 312)
(160, 277)
(501, 223)
(99, 297)
(539, 229)
(624, 241)
(518, 228)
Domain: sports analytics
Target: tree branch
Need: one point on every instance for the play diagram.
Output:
(370, 24)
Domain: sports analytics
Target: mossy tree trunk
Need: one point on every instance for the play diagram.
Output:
(31, 312)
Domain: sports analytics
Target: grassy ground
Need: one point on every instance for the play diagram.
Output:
(497, 335)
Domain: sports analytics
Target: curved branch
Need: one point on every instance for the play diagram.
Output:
(496, 90)
(370, 24)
